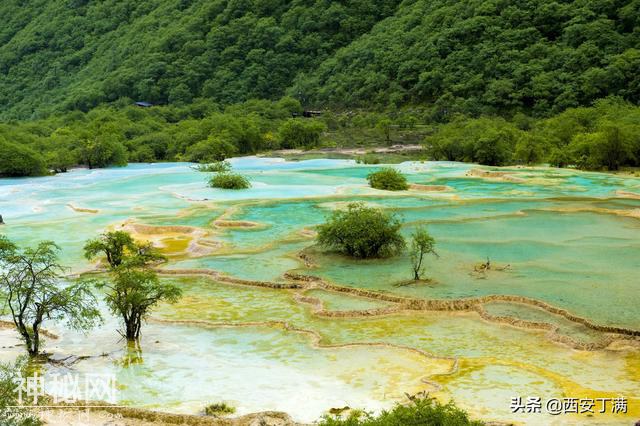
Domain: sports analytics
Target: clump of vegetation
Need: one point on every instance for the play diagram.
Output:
(219, 408)
(229, 181)
(31, 285)
(215, 167)
(11, 414)
(213, 149)
(384, 126)
(300, 133)
(362, 232)
(422, 244)
(368, 159)
(421, 411)
(388, 179)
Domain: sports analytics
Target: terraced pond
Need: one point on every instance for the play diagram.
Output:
(269, 322)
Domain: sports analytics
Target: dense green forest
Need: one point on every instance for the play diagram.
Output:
(479, 56)
(75, 54)
(471, 56)
(494, 82)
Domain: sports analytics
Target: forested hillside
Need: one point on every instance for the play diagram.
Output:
(471, 56)
(496, 56)
(75, 54)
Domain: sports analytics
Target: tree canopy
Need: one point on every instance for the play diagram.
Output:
(604, 136)
(119, 248)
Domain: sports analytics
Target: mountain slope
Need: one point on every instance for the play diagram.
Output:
(488, 56)
(471, 56)
(75, 54)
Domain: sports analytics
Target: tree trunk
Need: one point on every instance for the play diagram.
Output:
(30, 343)
(417, 267)
(36, 343)
(133, 325)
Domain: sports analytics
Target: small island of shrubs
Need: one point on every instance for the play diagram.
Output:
(228, 180)
(362, 232)
(388, 179)
(219, 409)
(366, 232)
(224, 178)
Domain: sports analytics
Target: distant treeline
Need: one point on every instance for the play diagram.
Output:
(109, 136)
(604, 136)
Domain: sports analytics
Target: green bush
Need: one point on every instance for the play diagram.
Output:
(388, 179)
(215, 167)
(300, 133)
(368, 159)
(229, 181)
(421, 412)
(219, 408)
(10, 412)
(362, 232)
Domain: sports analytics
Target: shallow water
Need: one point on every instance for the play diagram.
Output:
(566, 238)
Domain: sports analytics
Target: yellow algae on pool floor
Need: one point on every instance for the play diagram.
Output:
(174, 241)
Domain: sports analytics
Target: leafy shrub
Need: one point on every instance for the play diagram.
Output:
(229, 181)
(362, 232)
(422, 411)
(388, 179)
(300, 133)
(219, 408)
(215, 167)
(10, 412)
(368, 159)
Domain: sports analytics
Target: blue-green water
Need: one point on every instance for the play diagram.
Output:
(567, 238)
